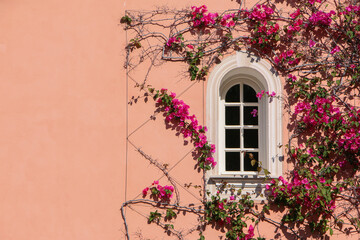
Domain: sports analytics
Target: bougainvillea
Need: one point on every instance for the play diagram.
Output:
(316, 49)
(177, 113)
(158, 192)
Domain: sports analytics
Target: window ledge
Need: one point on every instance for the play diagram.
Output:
(249, 184)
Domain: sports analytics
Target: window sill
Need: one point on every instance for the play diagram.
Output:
(249, 184)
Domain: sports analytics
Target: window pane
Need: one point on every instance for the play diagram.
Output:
(232, 138)
(251, 138)
(251, 156)
(249, 118)
(249, 94)
(232, 161)
(233, 95)
(232, 115)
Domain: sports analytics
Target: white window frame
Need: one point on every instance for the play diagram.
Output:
(244, 67)
(221, 124)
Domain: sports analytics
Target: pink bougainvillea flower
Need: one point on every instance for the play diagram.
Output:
(232, 197)
(190, 46)
(171, 41)
(292, 77)
(335, 50)
(259, 95)
(305, 181)
(250, 233)
(311, 43)
(144, 191)
(313, 1)
(254, 112)
(295, 14)
(277, 60)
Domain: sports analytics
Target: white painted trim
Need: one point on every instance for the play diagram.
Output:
(247, 67)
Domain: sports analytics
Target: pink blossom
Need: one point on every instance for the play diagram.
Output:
(292, 77)
(250, 233)
(145, 190)
(232, 197)
(313, 1)
(260, 94)
(305, 181)
(311, 43)
(171, 41)
(321, 18)
(190, 46)
(295, 14)
(254, 112)
(335, 50)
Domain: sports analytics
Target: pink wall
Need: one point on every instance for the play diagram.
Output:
(65, 167)
(62, 122)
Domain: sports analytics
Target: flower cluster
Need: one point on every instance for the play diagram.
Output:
(288, 57)
(177, 113)
(295, 14)
(200, 18)
(230, 213)
(224, 20)
(158, 192)
(294, 28)
(259, 95)
(259, 13)
(292, 78)
(321, 112)
(171, 41)
(249, 235)
(321, 18)
(312, 193)
(313, 1)
(350, 139)
(351, 9)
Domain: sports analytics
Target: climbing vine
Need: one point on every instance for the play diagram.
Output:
(316, 49)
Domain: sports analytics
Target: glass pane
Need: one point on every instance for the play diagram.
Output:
(232, 115)
(249, 94)
(249, 114)
(232, 138)
(251, 138)
(232, 161)
(233, 95)
(251, 156)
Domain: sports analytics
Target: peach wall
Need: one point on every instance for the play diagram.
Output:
(62, 122)
(65, 164)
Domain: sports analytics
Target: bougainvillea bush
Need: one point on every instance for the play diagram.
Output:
(315, 47)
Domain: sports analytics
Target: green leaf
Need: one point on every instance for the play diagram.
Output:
(126, 19)
(350, 34)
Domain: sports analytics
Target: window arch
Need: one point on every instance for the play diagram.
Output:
(240, 137)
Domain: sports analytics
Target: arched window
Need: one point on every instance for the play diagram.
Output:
(241, 127)
(246, 130)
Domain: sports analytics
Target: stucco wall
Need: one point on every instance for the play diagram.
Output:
(65, 163)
